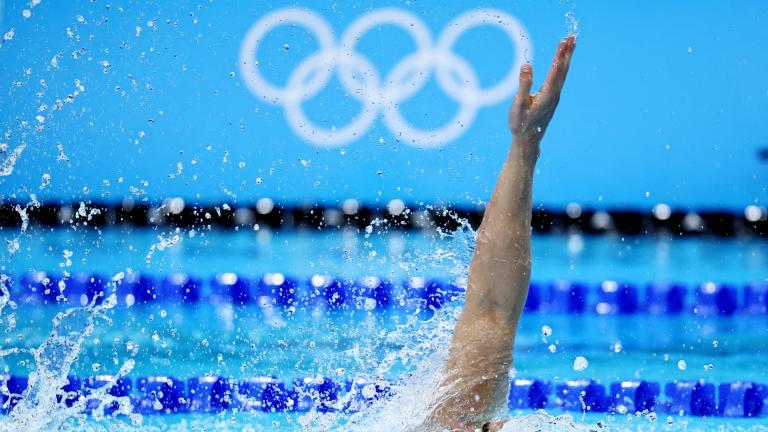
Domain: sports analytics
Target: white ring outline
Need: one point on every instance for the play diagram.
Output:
(452, 129)
(493, 18)
(405, 20)
(308, 19)
(332, 137)
(405, 79)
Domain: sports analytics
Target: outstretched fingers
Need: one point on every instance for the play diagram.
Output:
(554, 69)
(557, 73)
(565, 64)
(526, 82)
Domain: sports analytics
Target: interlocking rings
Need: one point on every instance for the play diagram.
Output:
(363, 81)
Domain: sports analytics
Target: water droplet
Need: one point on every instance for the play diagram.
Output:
(580, 363)
(26, 13)
(572, 22)
(681, 365)
(286, 47)
(45, 180)
(546, 331)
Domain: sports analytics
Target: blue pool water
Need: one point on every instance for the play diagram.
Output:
(129, 301)
(217, 338)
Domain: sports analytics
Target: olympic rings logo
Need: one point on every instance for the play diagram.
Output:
(361, 79)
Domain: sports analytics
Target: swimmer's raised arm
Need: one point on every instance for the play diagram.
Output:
(501, 267)
(480, 357)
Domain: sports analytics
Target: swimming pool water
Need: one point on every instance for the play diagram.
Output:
(351, 253)
(219, 339)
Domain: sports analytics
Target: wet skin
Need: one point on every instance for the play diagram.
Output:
(476, 382)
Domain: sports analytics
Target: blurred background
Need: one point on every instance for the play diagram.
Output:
(664, 104)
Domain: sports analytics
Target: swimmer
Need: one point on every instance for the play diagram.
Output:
(476, 384)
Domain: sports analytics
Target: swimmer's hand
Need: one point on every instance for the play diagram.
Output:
(476, 381)
(529, 115)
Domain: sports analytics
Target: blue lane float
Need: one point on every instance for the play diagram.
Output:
(756, 298)
(319, 393)
(16, 386)
(160, 395)
(373, 292)
(616, 298)
(691, 398)
(633, 396)
(276, 286)
(180, 288)
(715, 299)
(164, 394)
(741, 399)
(415, 294)
(665, 298)
(140, 289)
(529, 394)
(230, 288)
(565, 297)
(581, 395)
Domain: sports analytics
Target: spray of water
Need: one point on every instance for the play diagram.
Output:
(419, 361)
(571, 20)
(45, 405)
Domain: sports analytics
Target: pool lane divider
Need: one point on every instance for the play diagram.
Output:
(210, 394)
(752, 220)
(373, 293)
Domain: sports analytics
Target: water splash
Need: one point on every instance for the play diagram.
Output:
(13, 244)
(571, 20)
(9, 163)
(44, 405)
(419, 359)
(5, 293)
(450, 256)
